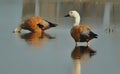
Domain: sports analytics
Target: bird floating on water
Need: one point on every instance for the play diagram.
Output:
(35, 24)
(80, 32)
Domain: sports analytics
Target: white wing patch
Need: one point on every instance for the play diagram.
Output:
(86, 32)
(46, 23)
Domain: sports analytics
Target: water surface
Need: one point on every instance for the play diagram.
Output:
(55, 52)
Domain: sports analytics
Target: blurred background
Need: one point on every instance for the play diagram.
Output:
(55, 52)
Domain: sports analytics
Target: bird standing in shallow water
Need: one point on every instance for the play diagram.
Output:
(80, 32)
(35, 24)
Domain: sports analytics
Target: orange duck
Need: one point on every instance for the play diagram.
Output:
(35, 24)
(80, 32)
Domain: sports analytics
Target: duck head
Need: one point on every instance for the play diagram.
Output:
(74, 14)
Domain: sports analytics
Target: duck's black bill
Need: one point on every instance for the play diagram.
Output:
(67, 15)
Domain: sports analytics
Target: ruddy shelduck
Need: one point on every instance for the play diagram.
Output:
(80, 32)
(35, 24)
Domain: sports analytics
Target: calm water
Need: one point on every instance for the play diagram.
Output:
(55, 52)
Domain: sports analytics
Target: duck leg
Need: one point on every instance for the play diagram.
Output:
(87, 44)
(75, 43)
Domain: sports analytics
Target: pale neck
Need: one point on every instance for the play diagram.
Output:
(77, 20)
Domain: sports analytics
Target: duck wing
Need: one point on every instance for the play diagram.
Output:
(88, 31)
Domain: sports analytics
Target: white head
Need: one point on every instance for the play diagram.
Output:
(74, 14)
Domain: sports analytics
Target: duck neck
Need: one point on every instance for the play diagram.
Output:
(77, 21)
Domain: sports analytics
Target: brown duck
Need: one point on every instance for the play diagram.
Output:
(35, 24)
(80, 32)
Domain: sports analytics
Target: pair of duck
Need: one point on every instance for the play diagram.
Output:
(79, 32)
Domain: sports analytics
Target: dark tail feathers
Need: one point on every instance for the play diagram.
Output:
(93, 35)
(51, 24)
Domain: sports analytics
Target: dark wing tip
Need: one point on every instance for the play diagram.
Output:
(52, 24)
(40, 25)
(93, 35)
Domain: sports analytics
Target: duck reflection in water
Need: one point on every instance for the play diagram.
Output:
(78, 54)
(34, 38)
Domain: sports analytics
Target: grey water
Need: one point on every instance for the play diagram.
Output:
(55, 52)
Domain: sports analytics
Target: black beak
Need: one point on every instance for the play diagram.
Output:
(67, 15)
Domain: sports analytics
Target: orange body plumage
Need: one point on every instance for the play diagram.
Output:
(35, 24)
